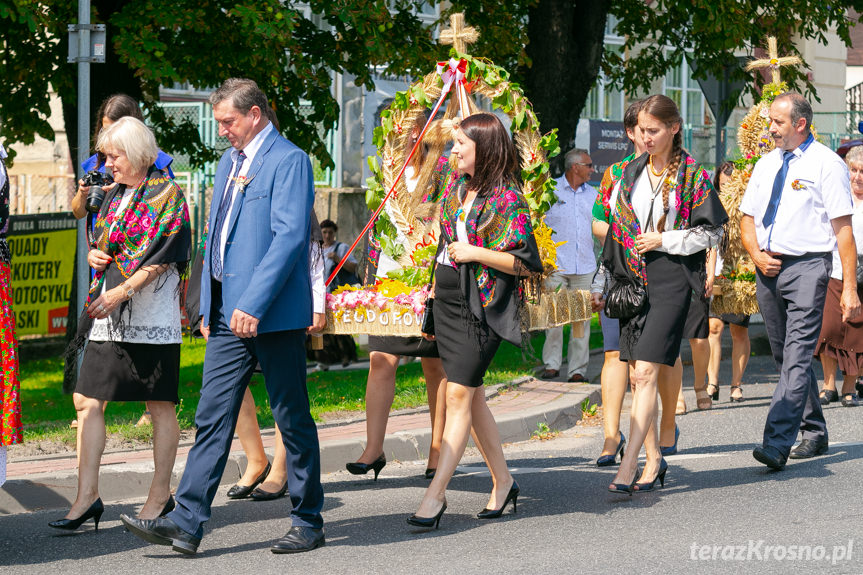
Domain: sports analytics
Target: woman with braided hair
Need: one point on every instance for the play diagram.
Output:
(665, 216)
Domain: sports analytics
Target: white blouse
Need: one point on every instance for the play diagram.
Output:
(460, 232)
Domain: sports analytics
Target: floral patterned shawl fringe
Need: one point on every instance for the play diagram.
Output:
(611, 176)
(499, 221)
(153, 229)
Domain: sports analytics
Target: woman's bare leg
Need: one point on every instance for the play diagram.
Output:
(613, 381)
(670, 379)
(380, 391)
(166, 436)
(435, 388)
(459, 408)
(91, 444)
(642, 424)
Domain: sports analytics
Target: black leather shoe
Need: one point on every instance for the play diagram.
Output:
(770, 456)
(809, 448)
(299, 539)
(261, 495)
(162, 531)
(243, 491)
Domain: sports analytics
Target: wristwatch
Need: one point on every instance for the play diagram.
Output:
(130, 291)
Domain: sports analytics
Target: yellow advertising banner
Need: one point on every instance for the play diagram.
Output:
(43, 259)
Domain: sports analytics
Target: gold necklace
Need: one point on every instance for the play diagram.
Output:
(653, 171)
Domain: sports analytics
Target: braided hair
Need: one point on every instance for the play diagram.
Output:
(665, 110)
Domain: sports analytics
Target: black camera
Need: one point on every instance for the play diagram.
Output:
(97, 181)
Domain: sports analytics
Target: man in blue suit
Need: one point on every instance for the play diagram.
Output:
(255, 303)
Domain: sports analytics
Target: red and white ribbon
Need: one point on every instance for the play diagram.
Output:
(452, 73)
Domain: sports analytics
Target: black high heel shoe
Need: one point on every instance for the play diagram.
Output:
(357, 468)
(624, 487)
(169, 506)
(95, 511)
(495, 513)
(427, 522)
(609, 460)
(651, 485)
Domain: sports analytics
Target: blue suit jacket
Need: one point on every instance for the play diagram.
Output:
(266, 259)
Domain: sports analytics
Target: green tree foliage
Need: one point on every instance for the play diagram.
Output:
(289, 50)
(553, 47)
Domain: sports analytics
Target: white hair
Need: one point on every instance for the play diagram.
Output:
(132, 137)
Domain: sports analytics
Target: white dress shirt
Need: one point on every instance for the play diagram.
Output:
(319, 290)
(817, 189)
(571, 219)
(250, 151)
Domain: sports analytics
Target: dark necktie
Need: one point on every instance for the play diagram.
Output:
(776, 194)
(224, 206)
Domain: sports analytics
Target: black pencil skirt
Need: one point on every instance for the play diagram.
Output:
(117, 371)
(670, 281)
(465, 355)
(403, 346)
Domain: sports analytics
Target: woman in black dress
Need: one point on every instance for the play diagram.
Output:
(486, 246)
(141, 248)
(666, 215)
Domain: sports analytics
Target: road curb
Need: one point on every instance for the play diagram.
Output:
(123, 481)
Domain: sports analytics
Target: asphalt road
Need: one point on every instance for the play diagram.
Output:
(720, 512)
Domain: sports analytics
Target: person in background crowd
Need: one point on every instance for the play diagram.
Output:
(337, 348)
(570, 218)
(738, 323)
(615, 373)
(841, 342)
(800, 185)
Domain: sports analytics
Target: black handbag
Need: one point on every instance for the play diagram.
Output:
(624, 298)
(428, 318)
(859, 271)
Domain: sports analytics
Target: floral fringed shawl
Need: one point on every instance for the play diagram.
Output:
(152, 229)
(499, 221)
(602, 208)
(698, 206)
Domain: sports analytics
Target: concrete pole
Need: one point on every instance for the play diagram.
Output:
(81, 267)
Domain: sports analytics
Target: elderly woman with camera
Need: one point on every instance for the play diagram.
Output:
(139, 253)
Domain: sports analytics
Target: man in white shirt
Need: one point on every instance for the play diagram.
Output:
(797, 208)
(570, 218)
